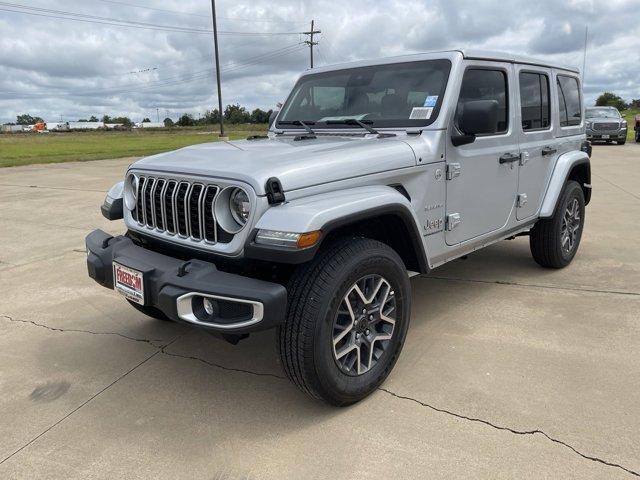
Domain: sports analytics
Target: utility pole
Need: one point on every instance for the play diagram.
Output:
(217, 59)
(310, 42)
(158, 114)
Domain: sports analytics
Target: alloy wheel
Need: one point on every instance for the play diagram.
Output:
(570, 227)
(364, 325)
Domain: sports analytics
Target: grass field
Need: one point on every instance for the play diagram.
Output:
(629, 116)
(25, 149)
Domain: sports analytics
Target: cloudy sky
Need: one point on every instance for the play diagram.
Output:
(76, 58)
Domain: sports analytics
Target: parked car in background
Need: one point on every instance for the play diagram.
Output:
(372, 172)
(605, 124)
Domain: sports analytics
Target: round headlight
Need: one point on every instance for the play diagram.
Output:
(240, 206)
(232, 209)
(131, 192)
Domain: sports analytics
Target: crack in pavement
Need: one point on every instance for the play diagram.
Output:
(48, 429)
(43, 224)
(6, 266)
(162, 349)
(222, 367)
(512, 430)
(75, 330)
(51, 188)
(533, 285)
(436, 409)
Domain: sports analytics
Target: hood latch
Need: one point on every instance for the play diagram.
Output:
(275, 194)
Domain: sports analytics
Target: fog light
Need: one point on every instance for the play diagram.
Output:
(208, 306)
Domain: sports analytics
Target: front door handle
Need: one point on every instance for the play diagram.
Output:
(509, 158)
(549, 151)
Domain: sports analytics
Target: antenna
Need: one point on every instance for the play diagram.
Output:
(584, 58)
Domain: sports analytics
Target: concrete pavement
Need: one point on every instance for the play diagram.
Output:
(509, 370)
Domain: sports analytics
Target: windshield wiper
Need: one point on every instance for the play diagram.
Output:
(304, 125)
(362, 123)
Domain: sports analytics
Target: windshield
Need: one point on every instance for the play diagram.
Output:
(395, 95)
(602, 113)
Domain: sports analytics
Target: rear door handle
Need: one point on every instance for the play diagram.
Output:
(549, 151)
(509, 158)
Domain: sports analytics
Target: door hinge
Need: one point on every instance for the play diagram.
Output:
(522, 200)
(453, 220)
(453, 170)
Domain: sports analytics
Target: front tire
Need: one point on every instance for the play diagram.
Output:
(348, 316)
(554, 241)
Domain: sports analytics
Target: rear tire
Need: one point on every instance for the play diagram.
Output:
(150, 311)
(554, 241)
(622, 142)
(347, 320)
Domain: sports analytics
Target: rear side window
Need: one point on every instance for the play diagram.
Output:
(534, 100)
(481, 84)
(569, 101)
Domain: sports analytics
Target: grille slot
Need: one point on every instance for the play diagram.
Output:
(168, 206)
(606, 126)
(210, 227)
(148, 203)
(179, 208)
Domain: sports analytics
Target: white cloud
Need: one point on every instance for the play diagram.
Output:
(52, 67)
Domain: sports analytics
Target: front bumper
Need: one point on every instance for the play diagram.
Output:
(170, 283)
(595, 135)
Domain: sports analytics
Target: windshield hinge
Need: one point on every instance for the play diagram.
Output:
(453, 170)
(452, 221)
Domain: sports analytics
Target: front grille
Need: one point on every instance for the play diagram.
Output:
(606, 126)
(179, 208)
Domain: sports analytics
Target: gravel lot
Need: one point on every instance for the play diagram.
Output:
(509, 371)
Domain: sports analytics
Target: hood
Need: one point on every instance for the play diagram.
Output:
(603, 120)
(296, 163)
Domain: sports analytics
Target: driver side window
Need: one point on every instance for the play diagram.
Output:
(485, 84)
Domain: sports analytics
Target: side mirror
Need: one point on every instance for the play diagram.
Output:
(476, 117)
(273, 116)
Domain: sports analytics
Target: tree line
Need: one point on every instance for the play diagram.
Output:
(233, 114)
(608, 99)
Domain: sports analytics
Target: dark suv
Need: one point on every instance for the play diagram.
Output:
(606, 124)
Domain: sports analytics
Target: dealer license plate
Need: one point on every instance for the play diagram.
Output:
(606, 136)
(129, 283)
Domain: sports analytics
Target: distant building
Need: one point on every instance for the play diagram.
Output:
(112, 126)
(11, 128)
(149, 125)
(85, 125)
(58, 126)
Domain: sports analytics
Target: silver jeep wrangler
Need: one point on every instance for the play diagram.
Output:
(371, 172)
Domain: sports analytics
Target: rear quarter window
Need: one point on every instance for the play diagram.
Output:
(569, 101)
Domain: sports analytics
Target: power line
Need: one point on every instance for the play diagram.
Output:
(201, 15)
(85, 18)
(168, 81)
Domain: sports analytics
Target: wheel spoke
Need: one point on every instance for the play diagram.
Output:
(345, 350)
(364, 324)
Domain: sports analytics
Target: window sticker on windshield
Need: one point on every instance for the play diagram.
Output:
(421, 113)
(431, 101)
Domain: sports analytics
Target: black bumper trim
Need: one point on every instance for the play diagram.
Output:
(163, 285)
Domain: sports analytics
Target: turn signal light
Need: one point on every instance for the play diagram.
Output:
(308, 239)
(288, 239)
